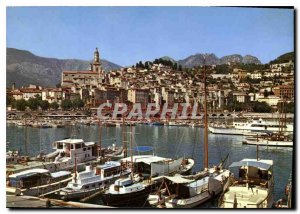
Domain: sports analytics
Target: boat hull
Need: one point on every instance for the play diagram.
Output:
(134, 199)
(269, 143)
(190, 202)
(228, 131)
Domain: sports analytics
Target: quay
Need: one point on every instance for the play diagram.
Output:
(35, 202)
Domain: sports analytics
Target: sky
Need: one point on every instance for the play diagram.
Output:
(126, 35)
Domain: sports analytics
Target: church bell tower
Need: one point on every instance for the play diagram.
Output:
(96, 66)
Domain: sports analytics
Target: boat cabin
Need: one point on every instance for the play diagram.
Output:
(254, 172)
(108, 169)
(36, 177)
(68, 148)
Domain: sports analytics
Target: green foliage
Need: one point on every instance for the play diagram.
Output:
(261, 107)
(54, 105)
(266, 93)
(33, 103)
(77, 103)
(21, 105)
(66, 105)
(147, 65)
(289, 107)
(223, 69)
(252, 67)
(284, 58)
(180, 68)
(44, 105)
(10, 100)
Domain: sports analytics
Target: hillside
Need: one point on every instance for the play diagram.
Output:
(23, 68)
(284, 58)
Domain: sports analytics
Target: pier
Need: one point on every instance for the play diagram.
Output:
(35, 202)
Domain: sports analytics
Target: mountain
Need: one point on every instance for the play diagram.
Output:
(284, 58)
(212, 59)
(198, 59)
(23, 68)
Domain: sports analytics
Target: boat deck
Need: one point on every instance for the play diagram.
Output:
(245, 196)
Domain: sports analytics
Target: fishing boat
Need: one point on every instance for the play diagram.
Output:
(272, 140)
(65, 151)
(92, 180)
(36, 182)
(152, 165)
(253, 188)
(130, 191)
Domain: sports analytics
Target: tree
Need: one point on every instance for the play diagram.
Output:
(175, 67)
(33, 103)
(147, 65)
(10, 100)
(21, 105)
(54, 105)
(141, 65)
(78, 103)
(261, 107)
(45, 105)
(266, 93)
(66, 105)
(180, 67)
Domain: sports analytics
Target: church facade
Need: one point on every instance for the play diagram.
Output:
(87, 79)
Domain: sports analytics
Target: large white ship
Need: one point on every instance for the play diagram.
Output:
(263, 126)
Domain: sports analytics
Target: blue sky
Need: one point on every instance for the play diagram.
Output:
(126, 35)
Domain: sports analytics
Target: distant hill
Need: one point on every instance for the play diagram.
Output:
(212, 59)
(284, 58)
(168, 58)
(23, 68)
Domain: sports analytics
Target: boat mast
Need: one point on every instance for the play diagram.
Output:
(285, 110)
(205, 122)
(100, 140)
(75, 165)
(26, 150)
(131, 152)
(123, 136)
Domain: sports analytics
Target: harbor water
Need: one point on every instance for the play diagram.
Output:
(167, 141)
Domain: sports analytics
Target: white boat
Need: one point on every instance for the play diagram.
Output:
(274, 140)
(151, 165)
(92, 180)
(181, 192)
(128, 192)
(66, 151)
(253, 188)
(231, 130)
(264, 126)
(36, 182)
